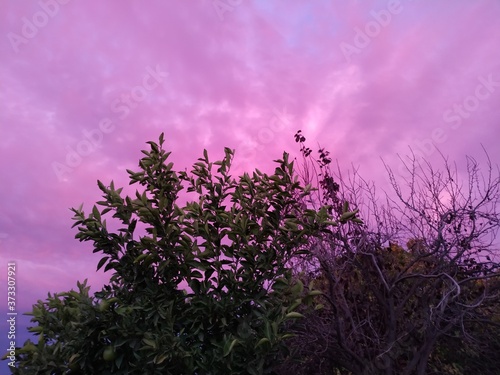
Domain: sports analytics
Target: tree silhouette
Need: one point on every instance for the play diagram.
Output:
(420, 272)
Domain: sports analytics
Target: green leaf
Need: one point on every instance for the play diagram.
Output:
(154, 146)
(229, 348)
(345, 207)
(102, 262)
(294, 315)
(315, 293)
(262, 342)
(195, 285)
(140, 257)
(96, 213)
(196, 274)
(348, 215)
(149, 342)
(101, 186)
(159, 359)
(298, 288)
(329, 222)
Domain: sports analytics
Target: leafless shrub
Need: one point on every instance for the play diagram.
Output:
(424, 265)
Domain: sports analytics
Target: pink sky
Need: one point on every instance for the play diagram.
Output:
(85, 84)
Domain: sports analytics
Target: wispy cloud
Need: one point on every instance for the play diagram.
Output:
(86, 84)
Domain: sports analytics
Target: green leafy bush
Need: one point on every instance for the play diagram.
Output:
(200, 288)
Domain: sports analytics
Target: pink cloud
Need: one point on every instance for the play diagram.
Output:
(229, 83)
